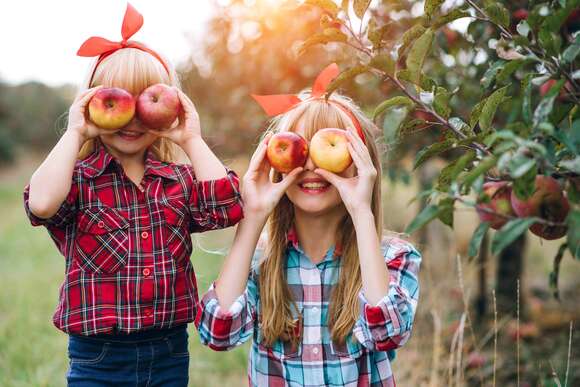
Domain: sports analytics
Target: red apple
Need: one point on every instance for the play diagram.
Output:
(548, 202)
(158, 106)
(517, 16)
(450, 35)
(546, 86)
(111, 108)
(286, 151)
(499, 194)
(328, 150)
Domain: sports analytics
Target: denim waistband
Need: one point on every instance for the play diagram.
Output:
(136, 337)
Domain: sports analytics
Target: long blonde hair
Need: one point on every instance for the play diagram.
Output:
(133, 70)
(277, 304)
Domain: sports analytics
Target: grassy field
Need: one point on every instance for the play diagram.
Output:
(33, 352)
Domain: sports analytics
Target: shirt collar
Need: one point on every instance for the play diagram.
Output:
(292, 241)
(98, 161)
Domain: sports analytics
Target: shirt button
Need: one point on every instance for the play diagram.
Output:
(101, 224)
(146, 272)
(144, 235)
(315, 309)
(315, 350)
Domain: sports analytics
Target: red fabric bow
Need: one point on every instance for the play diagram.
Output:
(281, 103)
(101, 47)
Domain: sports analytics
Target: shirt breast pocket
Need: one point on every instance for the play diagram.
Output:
(282, 349)
(102, 241)
(177, 237)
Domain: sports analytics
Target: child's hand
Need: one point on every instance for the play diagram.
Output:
(356, 192)
(259, 193)
(188, 127)
(78, 113)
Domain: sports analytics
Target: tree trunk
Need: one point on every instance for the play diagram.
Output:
(509, 271)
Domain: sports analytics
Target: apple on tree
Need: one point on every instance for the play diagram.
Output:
(328, 150)
(286, 151)
(158, 106)
(499, 195)
(111, 108)
(547, 202)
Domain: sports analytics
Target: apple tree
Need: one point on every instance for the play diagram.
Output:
(494, 88)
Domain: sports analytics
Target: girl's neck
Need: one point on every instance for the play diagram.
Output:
(133, 164)
(317, 232)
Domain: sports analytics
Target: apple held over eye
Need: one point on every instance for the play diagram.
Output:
(548, 202)
(158, 106)
(286, 151)
(111, 108)
(328, 150)
(499, 194)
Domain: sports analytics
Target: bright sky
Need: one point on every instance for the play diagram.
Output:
(39, 38)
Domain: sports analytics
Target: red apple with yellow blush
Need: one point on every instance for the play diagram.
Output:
(158, 106)
(287, 151)
(499, 195)
(328, 150)
(111, 108)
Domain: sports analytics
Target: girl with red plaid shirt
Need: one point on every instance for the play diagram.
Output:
(121, 212)
(324, 296)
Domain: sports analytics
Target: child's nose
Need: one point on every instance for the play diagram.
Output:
(309, 166)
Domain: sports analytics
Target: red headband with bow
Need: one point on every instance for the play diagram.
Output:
(281, 103)
(101, 47)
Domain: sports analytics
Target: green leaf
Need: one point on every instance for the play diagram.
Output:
(431, 6)
(524, 186)
(511, 67)
(527, 98)
(391, 102)
(498, 14)
(455, 14)
(490, 107)
(573, 221)
(491, 73)
(520, 164)
(546, 105)
(360, 7)
(432, 150)
(441, 102)
(446, 211)
(484, 165)
(329, 35)
(384, 63)
(327, 5)
(550, 41)
(475, 242)
(572, 51)
(377, 35)
(346, 75)
(429, 213)
(451, 171)
(509, 233)
(409, 37)
(417, 55)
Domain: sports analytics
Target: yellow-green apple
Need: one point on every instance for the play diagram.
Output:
(111, 108)
(547, 202)
(286, 151)
(498, 194)
(158, 106)
(328, 150)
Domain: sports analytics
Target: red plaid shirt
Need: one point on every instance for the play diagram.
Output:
(127, 247)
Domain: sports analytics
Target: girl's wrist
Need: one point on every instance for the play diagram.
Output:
(361, 215)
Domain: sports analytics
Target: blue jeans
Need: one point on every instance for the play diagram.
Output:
(150, 358)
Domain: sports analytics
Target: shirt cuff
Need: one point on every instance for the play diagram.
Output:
(235, 309)
(223, 192)
(55, 220)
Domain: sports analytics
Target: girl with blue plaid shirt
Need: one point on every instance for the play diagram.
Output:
(325, 297)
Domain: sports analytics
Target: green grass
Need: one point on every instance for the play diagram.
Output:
(32, 351)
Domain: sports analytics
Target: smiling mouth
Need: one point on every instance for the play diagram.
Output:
(129, 135)
(314, 187)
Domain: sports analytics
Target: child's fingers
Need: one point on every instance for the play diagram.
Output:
(359, 147)
(332, 178)
(290, 178)
(86, 96)
(186, 104)
(257, 158)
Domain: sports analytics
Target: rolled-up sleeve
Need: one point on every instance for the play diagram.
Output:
(388, 324)
(214, 204)
(222, 330)
(62, 217)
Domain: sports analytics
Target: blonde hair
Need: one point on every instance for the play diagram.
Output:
(276, 299)
(133, 70)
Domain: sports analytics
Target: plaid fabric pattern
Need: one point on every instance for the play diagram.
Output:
(364, 360)
(127, 247)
